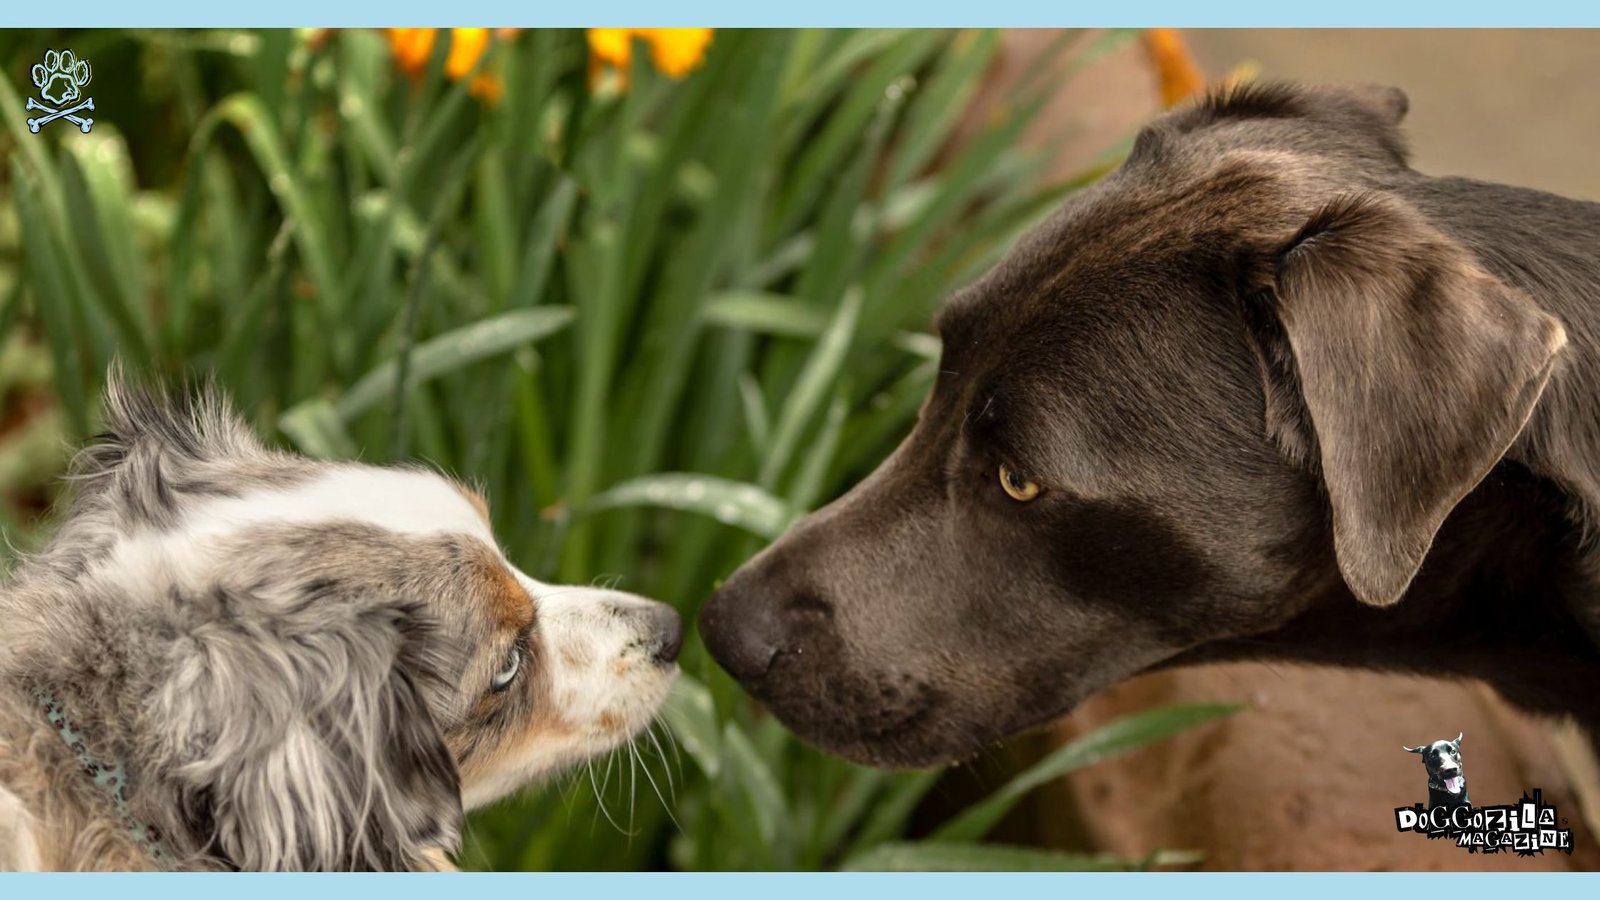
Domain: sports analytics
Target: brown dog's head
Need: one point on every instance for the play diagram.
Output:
(1242, 369)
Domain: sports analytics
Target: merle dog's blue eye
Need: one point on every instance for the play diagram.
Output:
(505, 676)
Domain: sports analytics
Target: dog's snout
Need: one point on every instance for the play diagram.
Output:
(669, 634)
(657, 629)
(741, 628)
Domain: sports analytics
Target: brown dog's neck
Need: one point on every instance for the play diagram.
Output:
(1495, 600)
(1508, 590)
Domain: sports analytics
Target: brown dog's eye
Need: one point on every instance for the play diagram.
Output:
(1017, 487)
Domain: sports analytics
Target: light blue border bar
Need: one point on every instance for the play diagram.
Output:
(832, 13)
(861, 886)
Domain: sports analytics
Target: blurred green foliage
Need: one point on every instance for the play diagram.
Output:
(656, 325)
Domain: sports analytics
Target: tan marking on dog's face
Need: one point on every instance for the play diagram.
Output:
(499, 720)
(589, 683)
(477, 500)
(509, 603)
(575, 655)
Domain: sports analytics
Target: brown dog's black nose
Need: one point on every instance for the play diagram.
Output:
(741, 629)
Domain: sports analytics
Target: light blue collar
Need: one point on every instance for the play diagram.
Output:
(110, 778)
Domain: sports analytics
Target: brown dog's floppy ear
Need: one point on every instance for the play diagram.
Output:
(1418, 369)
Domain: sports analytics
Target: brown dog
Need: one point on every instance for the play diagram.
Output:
(1265, 392)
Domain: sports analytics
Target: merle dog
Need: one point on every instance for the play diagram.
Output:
(1264, 392)
(1447, 784)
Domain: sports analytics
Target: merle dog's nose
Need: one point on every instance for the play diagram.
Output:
(741, 628)
(668, 626)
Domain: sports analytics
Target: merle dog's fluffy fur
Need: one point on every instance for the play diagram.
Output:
(299, 664)
(1281, 395)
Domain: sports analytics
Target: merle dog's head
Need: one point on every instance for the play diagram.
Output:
(1238, 371)
(1442, 759)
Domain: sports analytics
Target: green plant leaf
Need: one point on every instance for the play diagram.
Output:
(692, 716)
(816, 379)
(762, 313)
(761, 790)
(455, 350)
(729, 502)
(890, 815)
(316, 430)
(259, 127)
(53, 299)
(1116, 738)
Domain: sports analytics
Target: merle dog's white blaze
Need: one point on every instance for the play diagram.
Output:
(404, 501)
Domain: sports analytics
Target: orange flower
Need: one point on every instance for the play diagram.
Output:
(1176, 69)
(611, 47)
(675, 51)
(413, 47)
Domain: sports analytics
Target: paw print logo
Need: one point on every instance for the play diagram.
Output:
(61, 79)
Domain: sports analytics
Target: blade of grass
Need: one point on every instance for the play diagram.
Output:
(890, 815)
(766, 803)
(692, 716)
(941, 104)
(316, 430)
(260, 131)
(452, 350)
(1121, 736)
(816, 379)
(111, 285)
(744, 506)
(52, 300)
(808, 481)
(546, 235)
(454, 186)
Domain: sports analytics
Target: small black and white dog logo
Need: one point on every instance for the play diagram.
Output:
(1528, 827)
(1447, 784)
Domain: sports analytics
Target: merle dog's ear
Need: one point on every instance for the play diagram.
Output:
(195, 419)
(1389, 104)
(1417, 369)
(300, 733)
(148, 434)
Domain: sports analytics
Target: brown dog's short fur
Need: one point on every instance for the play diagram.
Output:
(1280, 395)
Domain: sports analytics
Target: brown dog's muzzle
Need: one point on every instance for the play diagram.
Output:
(744, 645)
(743, 623)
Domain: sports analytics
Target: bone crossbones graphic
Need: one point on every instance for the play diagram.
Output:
(60, 80)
